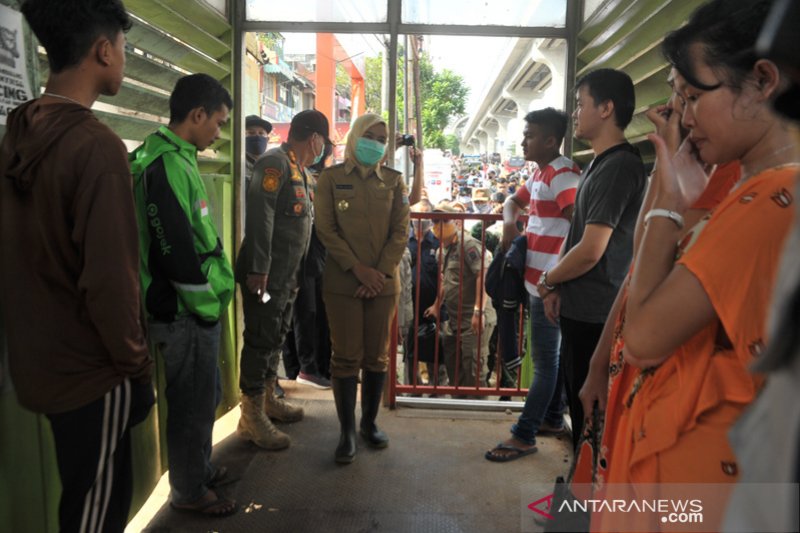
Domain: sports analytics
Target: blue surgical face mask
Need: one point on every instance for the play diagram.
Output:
(255, 144)
(369, 152)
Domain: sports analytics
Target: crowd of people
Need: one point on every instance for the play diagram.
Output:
(647, 297)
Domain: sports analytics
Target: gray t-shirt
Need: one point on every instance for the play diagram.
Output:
(610, 192)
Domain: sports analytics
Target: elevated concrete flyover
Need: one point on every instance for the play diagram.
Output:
(530, 76)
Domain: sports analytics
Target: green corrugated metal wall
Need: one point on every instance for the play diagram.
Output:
(627, 35)
(28, 478)
(170, 38)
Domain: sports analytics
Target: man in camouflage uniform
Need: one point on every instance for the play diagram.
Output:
(461, 271)
(277, 232)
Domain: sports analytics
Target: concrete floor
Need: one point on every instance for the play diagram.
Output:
(432, 478)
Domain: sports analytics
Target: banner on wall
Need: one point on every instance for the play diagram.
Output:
(14, 87)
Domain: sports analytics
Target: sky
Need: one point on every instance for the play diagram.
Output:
(473, 58)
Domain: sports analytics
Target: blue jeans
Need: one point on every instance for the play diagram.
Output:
(541, 402)
(193, 392)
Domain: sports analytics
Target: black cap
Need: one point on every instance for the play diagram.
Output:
(310, 120)
(254, 121)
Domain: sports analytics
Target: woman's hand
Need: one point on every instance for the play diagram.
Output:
(691, 173)
(668, 125)
(373, 280)
(363, 292)
(594, 390)
(679, 179)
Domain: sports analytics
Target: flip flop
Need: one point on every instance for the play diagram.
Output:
(218, 508)
(518, 452)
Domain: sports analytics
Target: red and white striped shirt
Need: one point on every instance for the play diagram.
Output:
(547, 192)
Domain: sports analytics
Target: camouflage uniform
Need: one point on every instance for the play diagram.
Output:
(277, 233)
(461, 275)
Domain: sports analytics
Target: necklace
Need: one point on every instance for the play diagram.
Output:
(768, 158)
(67, 98)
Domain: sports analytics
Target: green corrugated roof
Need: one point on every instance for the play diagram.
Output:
(281, 68)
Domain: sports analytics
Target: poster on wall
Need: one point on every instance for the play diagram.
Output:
(14, 87)
(438, 179)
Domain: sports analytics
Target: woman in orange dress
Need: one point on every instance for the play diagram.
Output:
(694, 317)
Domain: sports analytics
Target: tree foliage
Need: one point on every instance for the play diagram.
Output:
(443, 96)
(373, 78)
(452, 143)
(271, 40)
(343, 82)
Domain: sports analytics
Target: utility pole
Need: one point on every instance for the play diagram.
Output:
(406, 81)
(385, 80)
(417, 39)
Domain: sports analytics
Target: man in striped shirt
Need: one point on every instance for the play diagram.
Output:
(548, 196)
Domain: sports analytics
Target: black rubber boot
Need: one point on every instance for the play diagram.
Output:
(371, 395)
(344, 393)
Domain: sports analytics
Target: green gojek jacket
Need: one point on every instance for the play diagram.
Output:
(183, 267)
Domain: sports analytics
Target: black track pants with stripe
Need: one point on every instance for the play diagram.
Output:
(93, 451)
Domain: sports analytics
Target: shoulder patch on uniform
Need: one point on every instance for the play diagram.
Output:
(332, 168)
(272, 179)
(473, 255)
(344, 186)
(391, 172)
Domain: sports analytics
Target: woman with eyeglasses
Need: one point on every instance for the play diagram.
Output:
(694, 319)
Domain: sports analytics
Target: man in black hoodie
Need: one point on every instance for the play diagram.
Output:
(69, 263)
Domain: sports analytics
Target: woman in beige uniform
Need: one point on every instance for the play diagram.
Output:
(362, 219)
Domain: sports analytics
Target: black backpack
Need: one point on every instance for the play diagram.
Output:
(505, 278)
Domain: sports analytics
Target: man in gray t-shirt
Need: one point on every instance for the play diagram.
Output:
(609, 193)
(580, 290)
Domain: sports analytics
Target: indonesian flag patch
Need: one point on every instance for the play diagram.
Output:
(202, 207)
